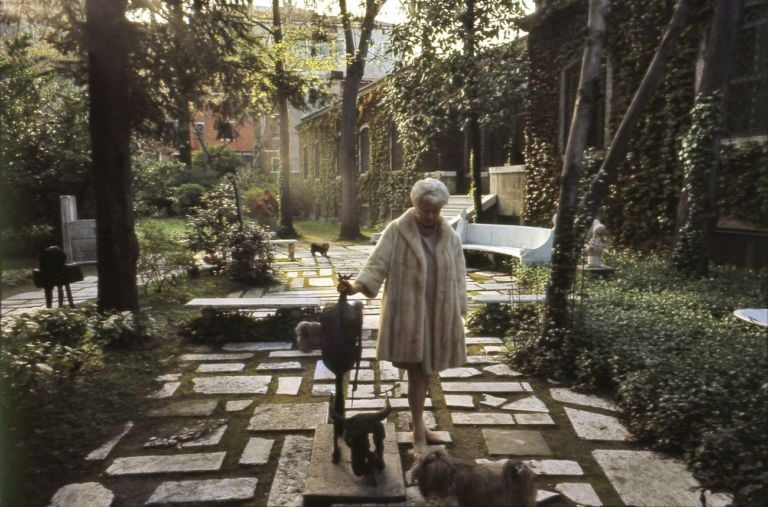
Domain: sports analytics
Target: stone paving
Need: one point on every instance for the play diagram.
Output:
(263, 402)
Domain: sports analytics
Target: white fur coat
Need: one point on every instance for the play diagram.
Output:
(399, 259)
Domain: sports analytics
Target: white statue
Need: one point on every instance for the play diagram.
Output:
(595, 245)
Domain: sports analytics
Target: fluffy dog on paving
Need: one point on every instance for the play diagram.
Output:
(510, 484)
(309, 335)
(319, 248)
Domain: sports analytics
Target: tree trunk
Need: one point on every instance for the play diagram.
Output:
(281, 101)
(109, 124)
(183, 115)
(350, 216)
(565, 249)
(606, 176)
(473, 163)
(697, 209)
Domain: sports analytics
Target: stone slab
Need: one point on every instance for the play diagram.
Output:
(502, 370)
(158, 464)
(220, 367)
(206, 490)
(288, 485)
(367, 404)
(482, 360)
(327, 483)
(565, 395)
(188, 408)
(363, 375)
(517, 442)
(168, 377)
(363, 391)
(283, 354)
(459, 400)
(492, 401)
(399, 403)
(406, 437)
(288, 385)
(554, 467)
(91, 494)
(232, 384)
(216, 357)
(592, 426)
(534, 419)
(322, 372)
(481, 418)
(281, 366)
(389, 371)
(321, 282)
(404, 420)
(646, 479)
(488, 387)
(257, 451)
(257, 346)
(103, 451)
(323, 390)
(580, 493)
(166, 391)
(529, 404)
(494, 349)
(288, 417)
(237, 405)
(462, 372)
(213, 438)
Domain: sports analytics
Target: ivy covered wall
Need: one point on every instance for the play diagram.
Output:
(384, 189)
(642, 206)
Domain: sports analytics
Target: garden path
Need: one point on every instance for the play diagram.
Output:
(255, 407)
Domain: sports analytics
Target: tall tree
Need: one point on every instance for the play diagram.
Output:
(565, 249)
(441, 51)
(698, 214)
(110, 128)
(552, 340)
(356, 57)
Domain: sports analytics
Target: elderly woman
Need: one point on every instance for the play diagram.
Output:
(421, 328)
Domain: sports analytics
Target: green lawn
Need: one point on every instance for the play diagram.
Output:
(172, 226)
(319, 231)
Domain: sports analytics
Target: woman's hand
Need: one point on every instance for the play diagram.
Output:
(348, 288)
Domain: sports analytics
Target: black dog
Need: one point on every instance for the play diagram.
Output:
(321, 248)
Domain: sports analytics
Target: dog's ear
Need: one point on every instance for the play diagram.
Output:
(519, 477)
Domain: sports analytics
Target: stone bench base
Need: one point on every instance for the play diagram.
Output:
(291, 243)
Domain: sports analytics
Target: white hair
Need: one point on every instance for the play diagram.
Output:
(430, 190)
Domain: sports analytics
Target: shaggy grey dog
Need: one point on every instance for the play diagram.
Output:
(309, 335)
(510, 484)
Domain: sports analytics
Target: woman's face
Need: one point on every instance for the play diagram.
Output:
(427, 214)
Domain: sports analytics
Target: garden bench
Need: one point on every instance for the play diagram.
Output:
(532, 245)
(291, 243)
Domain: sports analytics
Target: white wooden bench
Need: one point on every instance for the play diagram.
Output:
(532, 245)
(290, 243)
(254, 303)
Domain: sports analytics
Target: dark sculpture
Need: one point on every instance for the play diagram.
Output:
(342, 329)
(356, 430)
(55, 272)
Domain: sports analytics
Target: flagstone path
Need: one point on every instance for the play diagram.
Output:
(236, 424)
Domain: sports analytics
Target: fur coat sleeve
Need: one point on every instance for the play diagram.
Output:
(398, 263)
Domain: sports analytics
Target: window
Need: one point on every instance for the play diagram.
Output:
(226, 131)
(316, 159)
(305, 160)
(275, 165)
(569, 87)
(364, 146)
(395, 149)
(746, 101)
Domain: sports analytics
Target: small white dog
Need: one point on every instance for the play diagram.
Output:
(309, 335)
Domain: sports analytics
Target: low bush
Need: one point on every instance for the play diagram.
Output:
(27, 241)
(217, 327)
(186, 197)
(163, 259)
(44, 351)
(14, 277)
(252, 255)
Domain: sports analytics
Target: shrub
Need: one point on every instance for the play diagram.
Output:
(689, 376)
(27, 241)
(212, 224)
(14, 277)
(163, 259)
(514, 322)
(153, 183)
(45, 351)
(186, 197)
(216, 327)
(252, 254)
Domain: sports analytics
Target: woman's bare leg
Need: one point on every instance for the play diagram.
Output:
(418, 383)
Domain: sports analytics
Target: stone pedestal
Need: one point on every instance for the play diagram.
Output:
(328, 484)
(596, 271)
